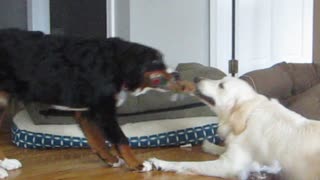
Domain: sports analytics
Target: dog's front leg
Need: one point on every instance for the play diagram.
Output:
(104, 115)
(96, 140)
(4, 101)
(120, 141)
(5, 163)
(230, 165)
(212, 148)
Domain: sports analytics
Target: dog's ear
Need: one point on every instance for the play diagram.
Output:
(239, 117)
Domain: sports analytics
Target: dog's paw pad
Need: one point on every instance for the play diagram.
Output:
(10, 164)
(147, 166)
(3, 173)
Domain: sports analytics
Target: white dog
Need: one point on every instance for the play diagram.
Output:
(257, 130)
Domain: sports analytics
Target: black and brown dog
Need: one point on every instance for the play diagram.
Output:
(85, 74)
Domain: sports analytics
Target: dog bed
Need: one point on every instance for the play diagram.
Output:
(156, 133)
(149, 120)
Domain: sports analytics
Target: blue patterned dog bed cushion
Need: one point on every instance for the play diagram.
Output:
(171, 132)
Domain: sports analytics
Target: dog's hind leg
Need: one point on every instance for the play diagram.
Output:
(5, 163)
(96, 141)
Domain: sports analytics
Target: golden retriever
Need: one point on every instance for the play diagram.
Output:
(258, 132)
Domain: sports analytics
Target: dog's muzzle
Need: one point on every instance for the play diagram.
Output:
(200, 95)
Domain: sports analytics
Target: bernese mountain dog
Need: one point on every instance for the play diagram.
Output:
(85, 75)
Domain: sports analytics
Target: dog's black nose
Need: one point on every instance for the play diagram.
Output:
(197, 79)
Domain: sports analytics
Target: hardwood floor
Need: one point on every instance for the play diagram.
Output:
(81, 164)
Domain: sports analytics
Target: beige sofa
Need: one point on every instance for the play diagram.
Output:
(297, 86)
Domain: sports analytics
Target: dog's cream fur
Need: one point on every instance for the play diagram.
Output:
(256, 130)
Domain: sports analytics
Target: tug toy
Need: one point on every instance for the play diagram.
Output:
(166, 81)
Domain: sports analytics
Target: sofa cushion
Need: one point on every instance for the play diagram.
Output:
(295, 85)
(304, 76)
(189, 70)
(273, 82)
(317, 66)
(307, 103)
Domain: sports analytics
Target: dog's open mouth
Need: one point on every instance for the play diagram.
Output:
(205, 98)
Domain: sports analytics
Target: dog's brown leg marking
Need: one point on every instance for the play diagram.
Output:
(3, 116)
(4, 99)
(2, 155)
(126, 153)
(96, 139)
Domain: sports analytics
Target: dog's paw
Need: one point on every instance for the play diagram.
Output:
(211, 148)
(10, 164)
(146, 166)
(3, 173)
(156, 164)
(118, 164)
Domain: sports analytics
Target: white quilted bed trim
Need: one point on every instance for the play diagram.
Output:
(23, 122)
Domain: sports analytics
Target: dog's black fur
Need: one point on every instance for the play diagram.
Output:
(75, 72)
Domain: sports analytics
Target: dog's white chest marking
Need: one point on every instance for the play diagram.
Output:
(121, 98)
(66, 108)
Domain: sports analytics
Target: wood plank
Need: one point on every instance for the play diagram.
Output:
(67, 164)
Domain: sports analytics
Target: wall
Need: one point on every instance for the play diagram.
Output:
(178, 28)
(38, 13)
(122, 18)
(84, 18)
(267, 32)
(13, 13)
(316, 32)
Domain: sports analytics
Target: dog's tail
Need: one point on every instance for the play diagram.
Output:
(211, 148)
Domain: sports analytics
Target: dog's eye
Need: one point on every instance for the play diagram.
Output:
(221, 85)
